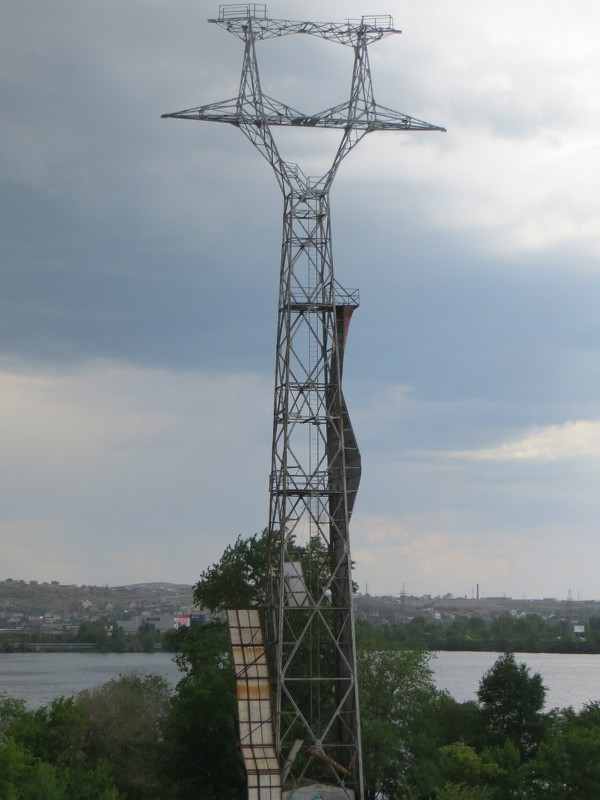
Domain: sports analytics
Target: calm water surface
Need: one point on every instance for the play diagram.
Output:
(571, 680)
(38, 678)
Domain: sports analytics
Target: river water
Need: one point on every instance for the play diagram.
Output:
(570, 679)
(38, 678)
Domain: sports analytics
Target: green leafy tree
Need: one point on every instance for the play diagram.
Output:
(90, 782)
(148, 636)
(396, 688)
(567, 764)
(11, 709)
(593, 632)
(453, 791)
(15, 763)
(42, 755)
(126, 720)
(94, 632)
(203, 758)
(439, 722)
(530, 632)
(54, 733)
(512, 699)
(118, 639)
(460, 764)
(42, 783)
(503, 631)
(478, 629)
(457, 634)
(492, 771)
(238, 579)
(456, 722)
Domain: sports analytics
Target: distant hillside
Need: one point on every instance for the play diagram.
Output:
(33, 598)
(402, 608)
(36, 599)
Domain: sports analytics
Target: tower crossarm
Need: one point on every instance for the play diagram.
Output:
(255, 113)
(374, 117)
(272, 112)
(236, 18)
(362, 116)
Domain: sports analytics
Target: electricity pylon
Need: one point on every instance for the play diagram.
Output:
(315, 468)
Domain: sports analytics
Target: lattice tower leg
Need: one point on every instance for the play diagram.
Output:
(315, 474)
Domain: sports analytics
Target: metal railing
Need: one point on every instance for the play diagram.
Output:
(381, 22)
(302, 299)
(243, 11)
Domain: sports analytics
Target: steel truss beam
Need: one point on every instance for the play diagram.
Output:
(315, 459)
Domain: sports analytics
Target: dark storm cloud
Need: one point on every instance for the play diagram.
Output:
(104, 253)
(139, 261)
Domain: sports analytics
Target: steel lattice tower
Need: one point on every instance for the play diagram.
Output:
(315, 468)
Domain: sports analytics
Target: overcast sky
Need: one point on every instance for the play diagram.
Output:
(139, 265)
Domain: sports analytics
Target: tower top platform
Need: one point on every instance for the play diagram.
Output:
(239, 17)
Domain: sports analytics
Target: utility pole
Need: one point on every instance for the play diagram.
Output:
(315, 467)
(403, 613)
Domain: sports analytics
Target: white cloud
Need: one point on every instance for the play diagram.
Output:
(110, 473)
(579, 439)
(428, 556)
(436, 555)
(517, 165)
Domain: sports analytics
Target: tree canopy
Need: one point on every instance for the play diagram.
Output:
(238, 579)
(512, 700)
